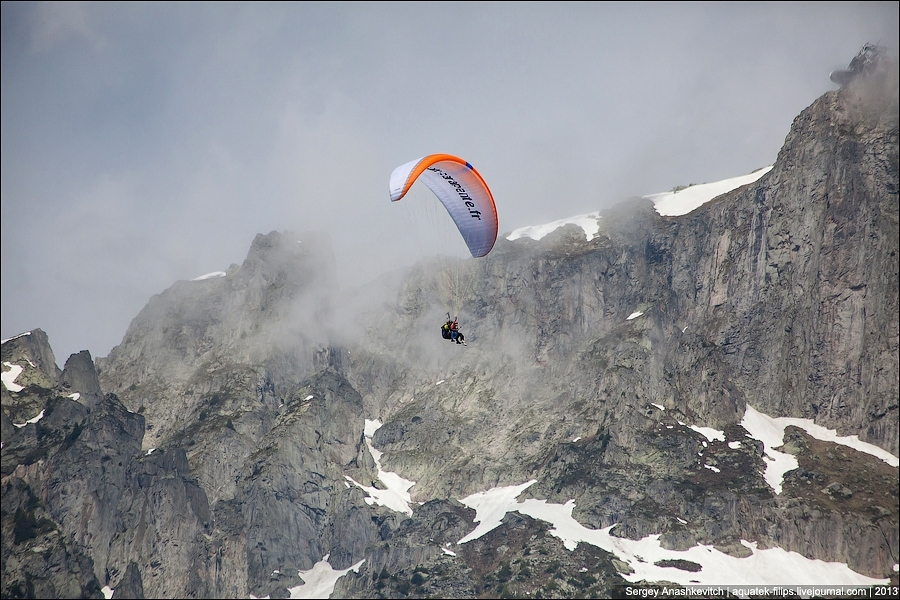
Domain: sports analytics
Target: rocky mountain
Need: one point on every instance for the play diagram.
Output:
(247, 433)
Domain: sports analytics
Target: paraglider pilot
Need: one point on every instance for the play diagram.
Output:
(450, 331)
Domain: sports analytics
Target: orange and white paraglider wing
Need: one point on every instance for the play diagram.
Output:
(461, 190)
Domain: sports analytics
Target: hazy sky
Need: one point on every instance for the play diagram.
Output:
(147, 143)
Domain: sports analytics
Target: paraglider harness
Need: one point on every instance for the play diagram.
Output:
(450, 331)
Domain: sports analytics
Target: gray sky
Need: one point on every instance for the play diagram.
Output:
(147, 143)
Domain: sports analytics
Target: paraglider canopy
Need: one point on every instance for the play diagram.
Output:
(461, 190)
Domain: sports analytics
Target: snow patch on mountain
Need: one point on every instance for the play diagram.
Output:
(770, 431)
(9, 377)
(682, 201)
(646, 557)
(669, 204)
(396, 496)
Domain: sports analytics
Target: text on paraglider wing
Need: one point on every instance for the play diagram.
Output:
(463, 194)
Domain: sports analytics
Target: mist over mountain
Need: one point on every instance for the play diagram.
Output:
(645, 397)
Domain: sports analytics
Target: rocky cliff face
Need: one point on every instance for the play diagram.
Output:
(220, 448)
